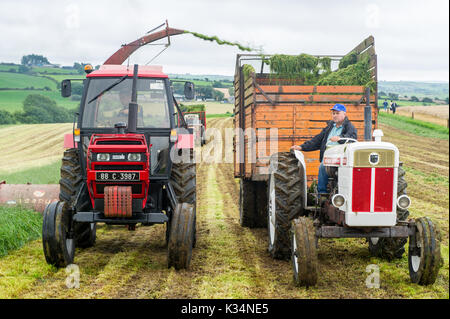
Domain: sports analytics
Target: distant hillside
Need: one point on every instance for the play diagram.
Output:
(211, 77)
(418, 89)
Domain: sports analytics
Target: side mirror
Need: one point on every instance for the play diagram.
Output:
(189, 90)
(66, 88)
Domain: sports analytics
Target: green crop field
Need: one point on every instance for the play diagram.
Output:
(21, 81)
(12, 100)
(43, 70)
(6, 67)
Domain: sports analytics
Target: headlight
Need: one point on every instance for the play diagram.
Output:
(338, 200)
(403, 202)
(103, 157)
(134, 157)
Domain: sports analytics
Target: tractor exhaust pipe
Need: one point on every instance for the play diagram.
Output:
(368, 117)
(133, 106)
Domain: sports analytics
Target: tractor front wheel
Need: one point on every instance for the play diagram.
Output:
(58, 244)
(182, 236)
(303, 252)
(424, 253)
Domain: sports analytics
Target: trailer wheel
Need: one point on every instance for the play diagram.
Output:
(182, 236)
(71, 185)
(202, 136)
(59, 247)
(424, 253)
(252, 199)
(303, 252)
(390, 248)
(285, 201)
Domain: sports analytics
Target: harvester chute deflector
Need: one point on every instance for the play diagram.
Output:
(126, 50)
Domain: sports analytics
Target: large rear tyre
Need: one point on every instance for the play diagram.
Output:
(304, 254)
(424, 253)
(59, 247)
(285, 202)
(391, 248)
(74, 193)
(182, 236)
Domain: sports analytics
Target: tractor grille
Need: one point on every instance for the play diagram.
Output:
(106, 167)
(118, 142)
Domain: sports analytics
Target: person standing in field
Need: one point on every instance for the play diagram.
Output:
(393, 107)
(385, 104)
(334, 133)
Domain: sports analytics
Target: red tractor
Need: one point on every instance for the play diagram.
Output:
(130, 162)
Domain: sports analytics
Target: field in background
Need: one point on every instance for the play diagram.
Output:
(214, 107)
(26, 146)
(438, 114)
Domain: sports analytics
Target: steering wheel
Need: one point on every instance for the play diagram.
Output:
(348, 139)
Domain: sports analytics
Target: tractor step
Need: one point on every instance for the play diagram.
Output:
(97, 217)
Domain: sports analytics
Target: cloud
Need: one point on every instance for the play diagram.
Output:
(411, 36)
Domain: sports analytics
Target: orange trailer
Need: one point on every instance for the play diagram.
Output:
(297, 112)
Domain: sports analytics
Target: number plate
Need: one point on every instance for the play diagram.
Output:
(116, 176)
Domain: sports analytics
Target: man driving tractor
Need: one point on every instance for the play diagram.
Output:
(334, 133)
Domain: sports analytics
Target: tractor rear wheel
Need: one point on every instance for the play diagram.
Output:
(424, 253)
(183, 181)
(303, 252)
(181, 237)
(59, 247)
(71, 183)
(285, 201)
(390, 248)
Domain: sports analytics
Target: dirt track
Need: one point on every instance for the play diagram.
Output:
(230, 261)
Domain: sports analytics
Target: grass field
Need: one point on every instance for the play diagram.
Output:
(6, 68)
(21, 81)
(414, 126)
(214, 107)
(437, 114)
(31, 145)
(12, 100)
(231, 261)
(17, 227)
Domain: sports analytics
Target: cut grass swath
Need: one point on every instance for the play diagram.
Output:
(17, 227)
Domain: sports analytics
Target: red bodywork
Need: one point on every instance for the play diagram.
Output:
(383, 191)
(140, 187)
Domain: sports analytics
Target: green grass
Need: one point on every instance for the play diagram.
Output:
(60, 77)
(17, 227)
(417, 127)
(219, 115)
(21, 81)
(12, 100)
(48, 174)
(6, 68)
(43, 70)
(432, 178)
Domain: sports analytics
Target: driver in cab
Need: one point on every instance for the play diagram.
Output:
(125, 99)
(334, 133)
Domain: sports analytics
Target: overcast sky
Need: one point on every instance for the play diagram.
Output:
(411, 37)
